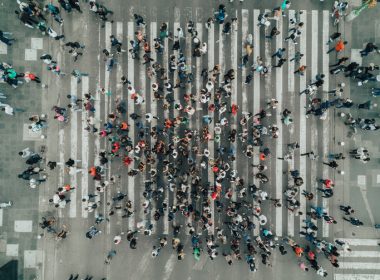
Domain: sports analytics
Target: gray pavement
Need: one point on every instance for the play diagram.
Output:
(51, 259)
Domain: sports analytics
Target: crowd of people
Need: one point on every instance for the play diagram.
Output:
(176, 157)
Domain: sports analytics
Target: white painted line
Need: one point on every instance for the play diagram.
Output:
(73, 151)
(256, 92)
(361, 242)
(107, 107)
(153, 110)
(211, 143)
(188, 89)
(360, 254)
(325, 48)
(199, 265)
(364, 194)
(119, 73)
(197, 122)
(169, 266)
(302, 135)
(245, 25)
(142, 266)
(314, 43)
(362, 180)
(291, 51)
(234, 63)
(61, 137)
(326, 123)
(279, 141)
(176, 93)
(1, 217)
(131, 77)
(256, 77)
(359, 265)
(108, 33)
(85, 148)
(141, 179)
(118, 96)
(356, 276)
(356, 56)
(244, 33)
(3, 48)
(97, 117)
(165, 62)
(314, 131)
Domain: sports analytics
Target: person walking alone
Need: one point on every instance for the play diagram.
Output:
(339, 46)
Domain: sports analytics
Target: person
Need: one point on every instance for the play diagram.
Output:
(333, 37)
(26, 19)
(117, 239)
(172, 153)
(303, 266)
(10, 110)
(274, 32)
(370, 47)
(54, 10)
(301, 70)
(54, 34)
(322, 272)
(333, 164)
(139, 20)
(279, 53)
(297, 57)
(4, 39)
(310, 155)
(308, 195)
(353, 221)
(375, 92)
(280, 62)
(26, 153)
(347, 209)
(109, 257)
(75, 4)
(368, 105)
(327, 193)
(339, 46)
(155, 251)
(340, 61)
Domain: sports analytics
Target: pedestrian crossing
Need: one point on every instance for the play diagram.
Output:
(225, 50)
(361, 263)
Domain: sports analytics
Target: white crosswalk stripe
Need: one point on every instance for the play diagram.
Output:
(85, 148)
(189, 61)
(326, 123)
(61, 141)
(291, 51)
(363, 257)
(142, 109)
(131, 77)
(359, 265)
(73, 150)
(166, 195)
(229, 53)
(356, 276)
(279, 141)
(302, 130)
(234, 55)
(154, 111)
(256, 93)
(360, 242)
(360, 254)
